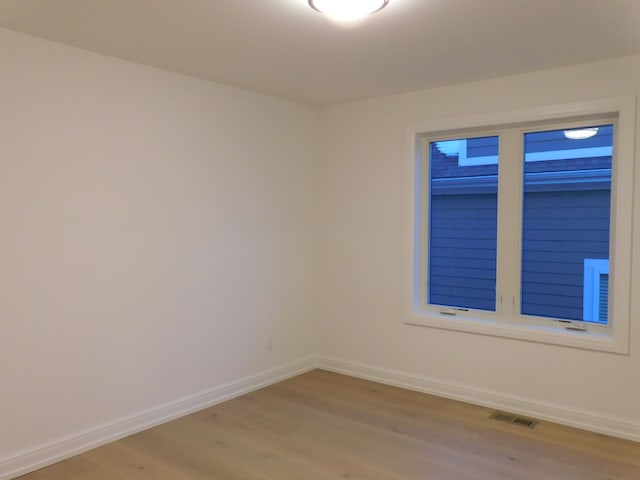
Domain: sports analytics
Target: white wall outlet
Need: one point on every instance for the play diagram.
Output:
(269, 344)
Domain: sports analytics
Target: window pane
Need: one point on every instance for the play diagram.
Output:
(566, 217)
(463, 201)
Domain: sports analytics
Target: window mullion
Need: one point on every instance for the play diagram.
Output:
(509, 224)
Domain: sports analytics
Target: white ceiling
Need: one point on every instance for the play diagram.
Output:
(285, 49)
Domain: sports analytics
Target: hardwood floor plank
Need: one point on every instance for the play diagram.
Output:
(321, 425)
(569, 445)
(76, 468)
(132, 464)
(190, 458)
(462, 441)
(249, 440)
(375, 444)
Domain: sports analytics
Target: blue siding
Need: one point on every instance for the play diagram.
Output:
(463, 250)
(553, 270)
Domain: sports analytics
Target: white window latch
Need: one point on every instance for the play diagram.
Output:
(453, 311)
(574, 326)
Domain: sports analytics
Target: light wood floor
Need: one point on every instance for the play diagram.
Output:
(321, 425)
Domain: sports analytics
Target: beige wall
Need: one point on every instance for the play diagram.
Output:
(156, 230)
(364, 150)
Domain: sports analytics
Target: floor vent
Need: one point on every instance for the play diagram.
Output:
(514, 419)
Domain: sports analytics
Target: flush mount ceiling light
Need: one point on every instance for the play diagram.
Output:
(347, 9)
(581, 133)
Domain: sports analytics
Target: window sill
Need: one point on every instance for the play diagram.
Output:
(586, 340)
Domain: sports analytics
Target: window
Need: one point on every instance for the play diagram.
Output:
(566, 215)
(462, 226)
(514, 226)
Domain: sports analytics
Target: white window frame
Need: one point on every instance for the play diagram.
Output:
(506, 321)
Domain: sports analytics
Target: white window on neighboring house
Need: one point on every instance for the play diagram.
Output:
(595, 301)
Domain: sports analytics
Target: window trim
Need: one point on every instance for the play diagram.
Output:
(613, 338)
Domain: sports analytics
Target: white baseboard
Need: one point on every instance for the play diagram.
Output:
(620, 428)
(33, 459)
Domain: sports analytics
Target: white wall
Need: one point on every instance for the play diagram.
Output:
(155, 230)
(363, 153)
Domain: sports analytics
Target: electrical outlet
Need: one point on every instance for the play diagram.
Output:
(269, 344)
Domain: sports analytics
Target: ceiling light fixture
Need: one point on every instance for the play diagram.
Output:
(581, 133)
(347, 10)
